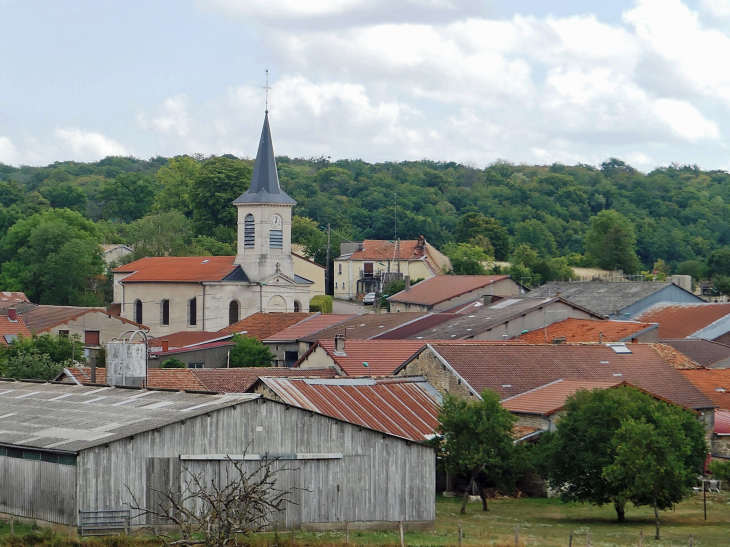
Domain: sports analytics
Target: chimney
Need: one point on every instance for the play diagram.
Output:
(340, 344)
(165, 345)
(487, 299)
(408, 283)
(421, 241)
(12, 315)
(600, 338)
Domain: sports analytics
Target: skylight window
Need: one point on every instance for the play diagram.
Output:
(506, 385)
(206, 261)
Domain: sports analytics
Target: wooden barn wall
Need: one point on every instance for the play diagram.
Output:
(380, 478)
(38, 490)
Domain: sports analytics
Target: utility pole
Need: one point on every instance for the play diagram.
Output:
(327, 285)
(395, 231)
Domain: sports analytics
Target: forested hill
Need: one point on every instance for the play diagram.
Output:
(183, 205)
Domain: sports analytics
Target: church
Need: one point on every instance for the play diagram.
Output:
(208, 293)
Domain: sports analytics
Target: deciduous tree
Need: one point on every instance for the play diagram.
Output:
(250, 352)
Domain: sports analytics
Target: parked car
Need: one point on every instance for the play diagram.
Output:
(369, 299)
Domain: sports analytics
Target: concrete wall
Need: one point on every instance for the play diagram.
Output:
(379, 479)
(260, 261)
(38, 490)
(549, 314)
(108, 326)
(671, 293)
(115, 254)
(210, 357)
(314, 272)
(319, 358)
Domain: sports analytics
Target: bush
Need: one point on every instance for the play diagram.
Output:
(174, 362)
(33, 366)
(250, 352)
(720, 470)
(321, 303)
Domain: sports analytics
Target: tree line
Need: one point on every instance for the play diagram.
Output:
(544, 220)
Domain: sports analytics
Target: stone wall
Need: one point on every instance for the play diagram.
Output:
(437, 374)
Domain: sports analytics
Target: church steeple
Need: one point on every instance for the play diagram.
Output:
(265, 186)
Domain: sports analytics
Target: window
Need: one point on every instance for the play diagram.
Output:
(196, 365)
(290, 358)
(276, 239)
(165, 312)
(91, 337)
(335, 284)
(297, 306)
(249, 232)
(339, 268)
(193, 311)
(233, 312)
(138, 311)
(10, 338)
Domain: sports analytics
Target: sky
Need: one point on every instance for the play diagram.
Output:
(471, 81)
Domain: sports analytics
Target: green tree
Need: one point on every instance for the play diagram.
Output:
(720, 470)
(173, 362)
(477, 439)
(176, 182)
(127, 197)
(66, 195)
(658, 457)
(695, 268)
(577, 456)
(164, 234)
(33, 366)
(58, 348)
(250, 352)
(611, 242)
(476, 224)
(719, 262)
(466, 259)
(218, 182)
(535, 234)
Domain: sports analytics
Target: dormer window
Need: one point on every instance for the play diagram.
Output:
(249, 232)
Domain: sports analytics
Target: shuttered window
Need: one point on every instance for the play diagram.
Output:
(249, 232)
(91, 337)
(276, 239)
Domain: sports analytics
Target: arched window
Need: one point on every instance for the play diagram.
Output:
(297, 306)
(233, 312)
(165, 312)
(249, 232)
(193, 311)
(138, 311)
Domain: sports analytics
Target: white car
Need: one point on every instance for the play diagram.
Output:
(369, 299)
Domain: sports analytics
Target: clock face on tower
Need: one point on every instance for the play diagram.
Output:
(276, 222)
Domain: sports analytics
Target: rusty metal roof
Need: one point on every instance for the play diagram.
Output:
(550, 398)
(405, 407)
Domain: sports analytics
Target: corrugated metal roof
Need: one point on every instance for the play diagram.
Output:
(586, 330)
(404, 407)
(683, 320)
(722, 422)
(74, 418)
(441, 288)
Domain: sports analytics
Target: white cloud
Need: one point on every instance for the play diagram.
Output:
(88, 145)
(8, 152)
(280, 8)
(717, 8)
(171, 117)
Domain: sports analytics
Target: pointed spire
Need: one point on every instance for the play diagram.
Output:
(265, 186)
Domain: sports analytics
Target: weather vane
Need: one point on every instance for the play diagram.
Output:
(266, 87)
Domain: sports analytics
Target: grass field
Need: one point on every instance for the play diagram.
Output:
(543, 523)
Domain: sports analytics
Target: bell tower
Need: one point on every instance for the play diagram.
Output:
(264, 218)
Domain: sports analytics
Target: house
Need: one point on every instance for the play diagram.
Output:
(98, 448)
(707, 353)
(370, 265)
(715, 384)
(216, 380)
(12, 327)
(444, 292)
(617, 299)
(172, 294)
(695, 320)
(404, 407)
(502, 320)
(359, 357)
(586, 330)
(309, 269)
(286, 345)
(113, 252)
(466, 369)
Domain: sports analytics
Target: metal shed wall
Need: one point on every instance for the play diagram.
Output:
(380, 478)
(671, 293)
(38, 490)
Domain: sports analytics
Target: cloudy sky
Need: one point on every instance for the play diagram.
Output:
(473, 81)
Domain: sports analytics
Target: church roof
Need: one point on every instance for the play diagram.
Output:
(182, 269)
(265, 186)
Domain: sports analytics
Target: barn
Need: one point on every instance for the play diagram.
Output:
(71, 448)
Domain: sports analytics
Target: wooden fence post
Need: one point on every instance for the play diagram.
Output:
(12, 526)
(570, 541)
(347, 532)
(588, 538)
(460, 534)
(517, 536)
(402, 539)
(691, 540)
(641, 538)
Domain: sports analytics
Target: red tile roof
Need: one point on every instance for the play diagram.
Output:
(704, 352)
(548, 399)
(309, 327)
(586, 330)
(43, 318)
(511, 369)
(12, 328)
(168, 378)
(366, 326)
(722, 422)
(441, 288)
(382, 249)
(382, 356)
(240, 380)
(181, 269)
(13, 296)
(683, 320)
(262, 325)
(404, 407)
(713, 382)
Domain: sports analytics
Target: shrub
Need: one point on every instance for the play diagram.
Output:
(173, 362)
(321, 303)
